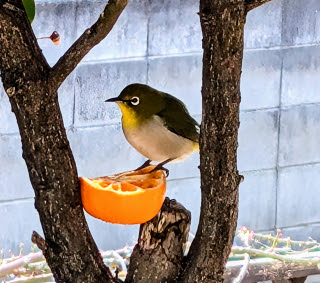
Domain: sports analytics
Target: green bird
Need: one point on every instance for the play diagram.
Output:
(157, 124)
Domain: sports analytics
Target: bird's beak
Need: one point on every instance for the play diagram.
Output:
(113, 99)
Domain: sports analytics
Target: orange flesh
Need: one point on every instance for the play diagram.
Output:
(132, 197)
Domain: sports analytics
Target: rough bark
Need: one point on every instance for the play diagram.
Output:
(157, 257)
(69, 247)
(222, 25)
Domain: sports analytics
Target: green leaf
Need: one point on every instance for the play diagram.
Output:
(30, 9)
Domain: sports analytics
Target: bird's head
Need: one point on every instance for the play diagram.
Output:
(139, 100)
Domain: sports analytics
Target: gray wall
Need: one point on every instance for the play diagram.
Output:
(159, 43)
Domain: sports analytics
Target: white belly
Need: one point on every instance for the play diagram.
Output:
(153, 140)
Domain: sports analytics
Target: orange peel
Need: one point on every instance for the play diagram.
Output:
(132, 197)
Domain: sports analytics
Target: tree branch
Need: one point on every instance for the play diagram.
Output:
(251, 4)
(90, 38)
(160, 245)
(39, 241)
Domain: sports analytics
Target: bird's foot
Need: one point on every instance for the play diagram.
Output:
(144, 165)
(160, 167)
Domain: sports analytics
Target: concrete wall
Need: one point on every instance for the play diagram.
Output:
(159, 43)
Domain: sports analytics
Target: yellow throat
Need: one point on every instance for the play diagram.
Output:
(130, 119)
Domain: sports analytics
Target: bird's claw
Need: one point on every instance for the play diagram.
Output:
(160, 168)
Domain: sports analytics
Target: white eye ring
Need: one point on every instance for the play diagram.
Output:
(135, 100)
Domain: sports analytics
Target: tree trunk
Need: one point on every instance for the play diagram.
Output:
(222, 25)
(69, 248)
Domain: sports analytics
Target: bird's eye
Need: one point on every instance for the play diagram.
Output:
(135, 100)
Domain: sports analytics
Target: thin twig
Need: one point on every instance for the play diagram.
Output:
(90, 38)
(42, 278)
(288, 251)
(8, 268)
(39, 241)
(251, 4)
(284, 258)
(287, 241)
(244, 269)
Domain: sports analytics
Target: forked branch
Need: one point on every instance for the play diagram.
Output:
(251, 4)
(90, 38)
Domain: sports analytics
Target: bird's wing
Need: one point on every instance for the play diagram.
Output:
(177, 119)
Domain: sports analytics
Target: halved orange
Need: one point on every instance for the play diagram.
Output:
(132, 197)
